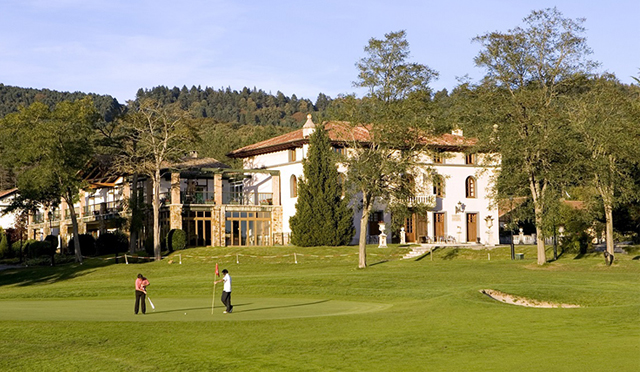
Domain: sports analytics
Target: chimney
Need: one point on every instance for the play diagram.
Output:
(457, 132)
(193, 154)
(309, 127)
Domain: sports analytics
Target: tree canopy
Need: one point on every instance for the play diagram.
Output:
(47, 149)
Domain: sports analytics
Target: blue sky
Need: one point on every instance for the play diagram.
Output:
(297, 47)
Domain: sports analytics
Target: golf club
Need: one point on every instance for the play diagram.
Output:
(151, 303)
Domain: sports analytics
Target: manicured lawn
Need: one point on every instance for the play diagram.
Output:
(324, 314)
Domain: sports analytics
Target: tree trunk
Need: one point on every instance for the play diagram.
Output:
(537, 192)
(135, 211)
(608, 213)
(156, 216)
(76, 233)
(362, 251)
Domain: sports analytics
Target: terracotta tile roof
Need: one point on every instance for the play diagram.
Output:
(341, 132)
(192, 162)
(7, 192)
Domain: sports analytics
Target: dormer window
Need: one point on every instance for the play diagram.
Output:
(470, 159)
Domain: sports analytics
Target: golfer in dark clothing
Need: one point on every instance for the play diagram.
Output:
(226, 291)
(141, 292)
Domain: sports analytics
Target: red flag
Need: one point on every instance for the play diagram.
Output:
(217, 272)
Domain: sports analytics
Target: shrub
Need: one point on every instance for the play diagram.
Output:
(112, 243)
(87, 245)
(5, 249)
(53, 241)
(17, 247)
(36, 249)
(176, 240)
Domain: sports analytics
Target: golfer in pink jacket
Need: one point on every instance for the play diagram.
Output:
(141, 292)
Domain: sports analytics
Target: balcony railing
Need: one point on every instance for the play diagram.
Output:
(208, 198)
(420, 199)
(67, 213)
(102, 209)
(38, 218)
(198, 197)
(241, 198)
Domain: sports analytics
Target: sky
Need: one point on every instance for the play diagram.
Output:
(298, 47)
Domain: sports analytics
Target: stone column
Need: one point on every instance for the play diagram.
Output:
(217, 188)
(276, 226)
(217, 226)
(275, 188)
(175, 208)
(47, 222)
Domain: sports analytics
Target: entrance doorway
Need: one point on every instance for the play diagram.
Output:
(472, 227)
(415, 228)
(438, 227)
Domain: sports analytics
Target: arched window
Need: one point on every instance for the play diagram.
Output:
(294, 186)
(438, 186)
(471, 187)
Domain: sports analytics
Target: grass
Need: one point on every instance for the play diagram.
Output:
(324, 314)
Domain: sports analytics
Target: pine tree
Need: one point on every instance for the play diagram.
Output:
(323, 215)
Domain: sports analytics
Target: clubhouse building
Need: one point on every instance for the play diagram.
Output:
(220, 206)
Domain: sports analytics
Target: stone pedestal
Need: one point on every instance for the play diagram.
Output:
(403, 236)
(382, 238)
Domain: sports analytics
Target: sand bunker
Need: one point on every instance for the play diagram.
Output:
(521, 301)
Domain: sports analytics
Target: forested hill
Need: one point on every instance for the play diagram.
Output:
(12, 98)
(248, 106)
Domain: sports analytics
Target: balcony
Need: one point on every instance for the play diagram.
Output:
(198, 197)
(427, 200)
(67, 213)
(241, 198)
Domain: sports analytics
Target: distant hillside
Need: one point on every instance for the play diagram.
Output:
(12, 98)
(248, 106)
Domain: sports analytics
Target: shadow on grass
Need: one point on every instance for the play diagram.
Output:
(192, 308)
(427, 254)
(636, 258)
(286, 306)
(453, 253)
(26, 276)
(378, 263)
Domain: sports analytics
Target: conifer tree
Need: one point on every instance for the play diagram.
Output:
(323, 215)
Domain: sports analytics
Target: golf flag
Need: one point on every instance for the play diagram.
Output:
(217, 272)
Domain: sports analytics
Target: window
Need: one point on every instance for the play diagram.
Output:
(470, 159)
(339, 150)
(471, 187)
(374, 222)
(437, 158)
(438, 186)
(292, 155)
(294, 186)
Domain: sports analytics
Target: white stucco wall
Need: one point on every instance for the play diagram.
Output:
(453, 169)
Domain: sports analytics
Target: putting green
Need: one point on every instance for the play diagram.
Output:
(180, 309)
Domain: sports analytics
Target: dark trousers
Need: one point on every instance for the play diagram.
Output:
(140, 297)
(226, 300)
